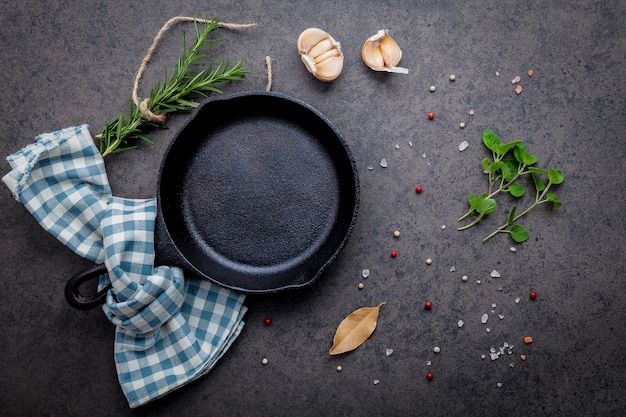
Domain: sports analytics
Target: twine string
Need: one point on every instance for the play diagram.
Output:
(268, 62)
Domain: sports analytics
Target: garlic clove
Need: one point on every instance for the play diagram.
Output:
(309, 38)
(381, 53)
(321, 54)
(330, 68)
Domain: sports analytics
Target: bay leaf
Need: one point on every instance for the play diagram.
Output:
(355, 329)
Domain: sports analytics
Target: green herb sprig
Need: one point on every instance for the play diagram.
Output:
(504, 176)
(177, 93)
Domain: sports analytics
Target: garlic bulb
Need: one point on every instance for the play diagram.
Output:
(381, 53)
(320, 53)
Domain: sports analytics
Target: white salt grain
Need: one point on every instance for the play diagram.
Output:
(495, 274)
(463, 146)
(383, 163)
(484, 318)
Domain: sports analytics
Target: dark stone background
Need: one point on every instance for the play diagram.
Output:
(68, 62)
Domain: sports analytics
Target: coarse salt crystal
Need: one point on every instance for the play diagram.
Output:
(376, 382)
(484, 318)
(495, 274)
(383, 163)
(460, 323)
(365, 273)
(388, 352)
(463, 146)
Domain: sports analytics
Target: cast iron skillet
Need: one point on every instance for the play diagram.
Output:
(258, 192)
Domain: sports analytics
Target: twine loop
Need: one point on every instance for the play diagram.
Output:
(143, 104)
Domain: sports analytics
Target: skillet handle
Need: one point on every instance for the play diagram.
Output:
(86, 302)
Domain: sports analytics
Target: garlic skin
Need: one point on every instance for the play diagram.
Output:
(321, 54)
(381, 53)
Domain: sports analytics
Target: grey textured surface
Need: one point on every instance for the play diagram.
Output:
(72, 62)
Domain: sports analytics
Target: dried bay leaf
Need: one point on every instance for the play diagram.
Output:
(355, 329)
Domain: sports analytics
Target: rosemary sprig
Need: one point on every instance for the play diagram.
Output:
(175, 94)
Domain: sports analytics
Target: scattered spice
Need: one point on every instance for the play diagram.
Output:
(432, 88)
(528, 340)
(533, 295)
(267, 321)
(396, 234)
(452, 77)
(436, 349)
(522, 357)
(339, 368)
(464, 278)
(265, 361)
(428, 305)
(516, 79)
(429, 376)
(429, 261)
(530, 73)
(431, 116)
(462, 125)
(518, 89)
(418, 189)
(361, 285)
(393, 253)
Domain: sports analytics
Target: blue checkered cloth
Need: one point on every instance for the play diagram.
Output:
(168, 330)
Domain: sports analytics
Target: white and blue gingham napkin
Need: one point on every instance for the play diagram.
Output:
(168, 330)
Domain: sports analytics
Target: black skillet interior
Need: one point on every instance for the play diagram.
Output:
(257, 192)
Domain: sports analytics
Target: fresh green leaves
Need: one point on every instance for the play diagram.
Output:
(184, 84)
(504, 176)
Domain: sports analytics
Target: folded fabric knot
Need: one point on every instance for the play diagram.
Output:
(153, 305)
(142, 298)
(169, 330)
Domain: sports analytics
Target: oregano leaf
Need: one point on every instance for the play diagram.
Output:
(555, 176)
(517, 152)
(539, 186)
(512, 215)
(486, 163)
(486, 206)
(472, 200)
(503, 148)
(529, 159)
(513, 167)
(491, 140)
(519, 234)
(516, 190)
(355, 329)
(554, 200)
(537, 170)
